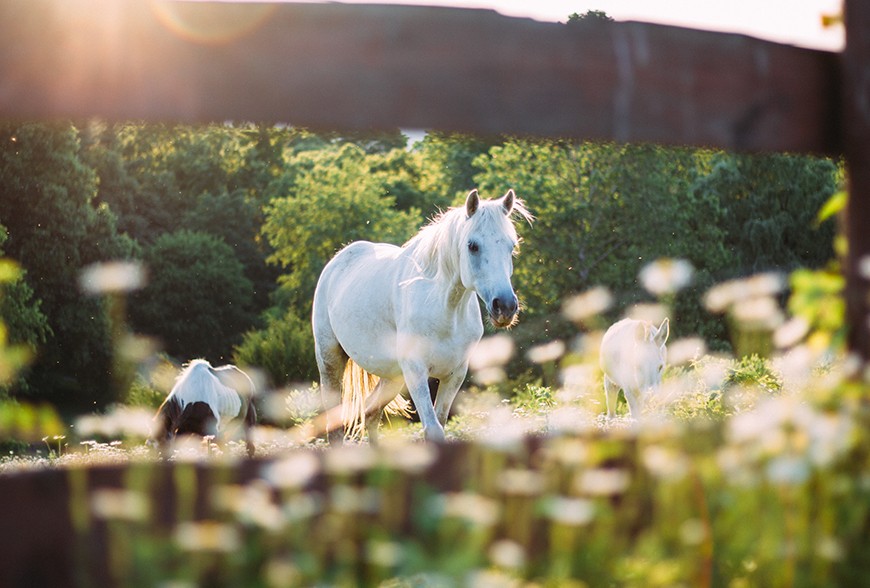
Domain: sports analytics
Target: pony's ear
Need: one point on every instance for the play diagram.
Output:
(663, 331)
(507, 202)
(472, 201)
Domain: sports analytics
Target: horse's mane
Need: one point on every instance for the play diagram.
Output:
(435, 248)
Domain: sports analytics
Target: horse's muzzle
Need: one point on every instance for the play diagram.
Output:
(503, 311)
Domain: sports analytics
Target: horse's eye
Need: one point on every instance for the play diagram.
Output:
(473, 247)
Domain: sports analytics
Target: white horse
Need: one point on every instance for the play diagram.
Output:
(632, 358)
(397, 316)
(201, 398)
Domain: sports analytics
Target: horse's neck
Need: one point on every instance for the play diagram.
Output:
(458, 296)
(447, 290)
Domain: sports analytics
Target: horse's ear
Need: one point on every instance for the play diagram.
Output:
(663, 331)
(507, 201)
(472, 201)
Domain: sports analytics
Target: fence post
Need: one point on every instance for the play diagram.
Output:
(856, 139)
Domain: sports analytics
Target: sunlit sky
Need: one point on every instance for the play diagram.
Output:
(797, 22)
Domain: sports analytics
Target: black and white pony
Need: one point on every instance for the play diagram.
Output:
(203, 399)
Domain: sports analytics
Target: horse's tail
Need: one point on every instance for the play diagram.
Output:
(356, 388)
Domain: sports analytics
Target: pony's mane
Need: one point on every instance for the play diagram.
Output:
(435, 248)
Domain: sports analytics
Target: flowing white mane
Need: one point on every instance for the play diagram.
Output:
(435, 248)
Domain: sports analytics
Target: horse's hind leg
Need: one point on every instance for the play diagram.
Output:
(611, 395)
(381, 396)
(331, 361)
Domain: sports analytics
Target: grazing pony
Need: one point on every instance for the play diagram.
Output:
(201, 398)
(632, 358)
(387, 319)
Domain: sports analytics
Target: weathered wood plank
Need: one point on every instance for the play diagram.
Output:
(359, 67)
(856, 110)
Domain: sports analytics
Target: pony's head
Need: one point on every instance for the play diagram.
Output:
(486, 248)
(654, 345)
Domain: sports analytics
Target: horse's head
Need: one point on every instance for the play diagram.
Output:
(486, 254)
(650, 353)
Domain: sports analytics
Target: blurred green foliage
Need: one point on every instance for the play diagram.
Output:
(257, 210)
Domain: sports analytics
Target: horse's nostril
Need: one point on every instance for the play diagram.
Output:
(504, 307)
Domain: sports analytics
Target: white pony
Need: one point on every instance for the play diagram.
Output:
(388, 318)
(632, 358)
(201, 398)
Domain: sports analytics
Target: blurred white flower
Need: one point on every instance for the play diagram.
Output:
(653, 313)
(474, 508)
(791, 332)
(386, 554)
(686, 350)
(507, 554)
(573, 512)
(520, 482)
(349, 459)
(252, 504)
(207, 536)
(111, 277)
(665, 463)
(547, 352)
(603, 481)
(666, 276)
(124, 505)
(789, 470)
(402, 455)
(693, 531)
(759, 313)
(494, 351)
(293, 471)
(119, 422)
(723, 296)
(589, 304)
(790, 437)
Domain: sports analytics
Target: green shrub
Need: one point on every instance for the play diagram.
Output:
(752, 370)
(284, 350)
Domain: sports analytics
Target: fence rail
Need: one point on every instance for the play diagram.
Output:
(360, 67)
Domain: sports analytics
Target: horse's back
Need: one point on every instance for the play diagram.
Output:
(360, 264)
(200, 384)
(619, 349)
(358, 283)
(632, 353)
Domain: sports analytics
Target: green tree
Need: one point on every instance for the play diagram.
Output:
(770, 204)
(55, 228)
(197, 301)
(284, 349)
(335, 199)
(603, 212)
(594, 16)
(447, 165)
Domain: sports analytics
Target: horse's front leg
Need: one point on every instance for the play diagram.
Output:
(417, 379)
(447, 391)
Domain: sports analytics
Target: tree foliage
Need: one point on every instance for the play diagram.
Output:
(334, 199)
(235, 222)
(197, 301)
(55, 228)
